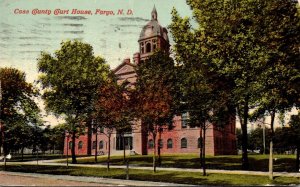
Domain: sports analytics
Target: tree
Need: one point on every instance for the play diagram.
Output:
(280, 38)
(70, 79)
(205, 93)
(17, 107)
(155, 94)
(238, 40)
(111, 109)
(57, 137)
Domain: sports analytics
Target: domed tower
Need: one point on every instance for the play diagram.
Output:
(153, 36)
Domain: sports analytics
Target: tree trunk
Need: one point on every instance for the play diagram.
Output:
(154, 152)
(124, 150)
(89, 138)
(245, 161)
(96, 152)
(74, 161)
(158, 148)
(271, 146)
(22, 152)
(108, 155)
(4, 153)
(37, 155)
(203, 154)
(297, 158)
(201, 148)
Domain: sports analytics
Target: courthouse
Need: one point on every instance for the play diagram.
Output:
(182, 138)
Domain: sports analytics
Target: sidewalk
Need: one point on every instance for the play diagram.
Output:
(261, 173)
(92, 180)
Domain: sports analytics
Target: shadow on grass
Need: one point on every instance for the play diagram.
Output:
(231, 162)
(160, 176)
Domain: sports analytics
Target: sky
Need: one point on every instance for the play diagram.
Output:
(114, 37)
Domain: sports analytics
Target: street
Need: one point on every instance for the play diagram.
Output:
(17, 179)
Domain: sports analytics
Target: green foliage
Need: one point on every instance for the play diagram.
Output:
(70, 79)
(18, 110)
(251, 46)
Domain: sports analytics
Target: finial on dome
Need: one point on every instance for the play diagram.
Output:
(154, 14)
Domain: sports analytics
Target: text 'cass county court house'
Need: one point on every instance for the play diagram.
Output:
(182, 138)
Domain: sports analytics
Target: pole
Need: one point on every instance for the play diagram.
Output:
(264, 136)
(96, 152)
(67, 151)
(127, 169)
(1, 127)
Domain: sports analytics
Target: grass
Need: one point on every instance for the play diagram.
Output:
(30, 157)
(231, 162)
(160, 176)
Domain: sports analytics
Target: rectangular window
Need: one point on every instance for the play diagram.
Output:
(121, 142)
(160, 143)
(184, 119)
(94, 144)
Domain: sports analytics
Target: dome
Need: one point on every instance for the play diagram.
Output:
(153, 28)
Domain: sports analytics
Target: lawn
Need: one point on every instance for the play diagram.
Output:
(30, 157)
(231, 162)
(160, 176)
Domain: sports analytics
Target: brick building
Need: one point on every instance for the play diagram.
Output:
(183, 138)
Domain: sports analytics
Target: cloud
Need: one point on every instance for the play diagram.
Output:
(34, 44)
(125, 25)
(6, 31)
(71, 17)
(74, 32)
(33, 38)
(133, 19)
(73, 24)
(5, 38)
(29, 51)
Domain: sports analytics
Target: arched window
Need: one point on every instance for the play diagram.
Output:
(70, 145)
(80, 144)
(183, 143)
(170, 143)
(160, 143)
(142, 47)
(200, 139)
(150, 144)
(101, 144)
(148, 47)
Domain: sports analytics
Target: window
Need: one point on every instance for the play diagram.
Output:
(142, 50)
(142, 47)
(183, 143)
(101, 144)
(101, 129)
(200, 139)
(80, 145)
(124, 142)
(94, 144)
(148, 47)
(160, 143)
(150, 144)
(184, 120)
(169, 144)
(70, 145)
